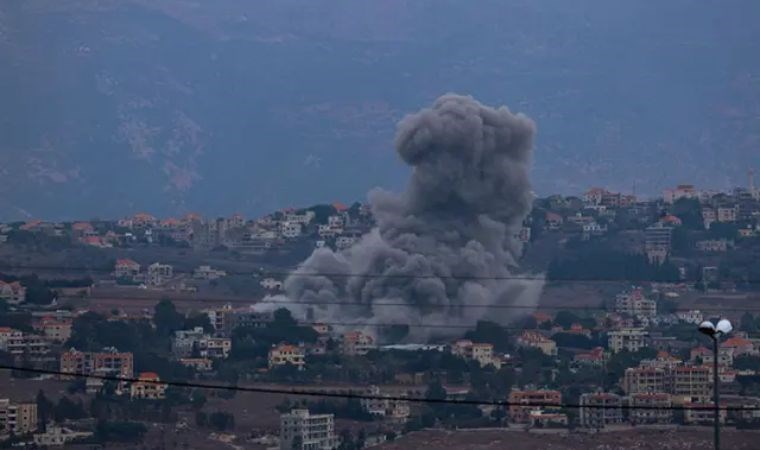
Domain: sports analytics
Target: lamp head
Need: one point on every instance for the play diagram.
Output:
(724, 326)
(707, 328)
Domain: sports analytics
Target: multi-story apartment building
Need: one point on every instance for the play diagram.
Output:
(692, 383)
(480, 352)
(650, 408)
(635, 304)
(644, 379)
(108, 362)
(300, 430)
(522, 403)
(631, 339)
(600, 409)
(17, 418)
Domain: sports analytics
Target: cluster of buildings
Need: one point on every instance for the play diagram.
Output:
(156, 274)
(49, 329)
(22, 419)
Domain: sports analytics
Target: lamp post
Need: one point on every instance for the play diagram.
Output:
(715, 332)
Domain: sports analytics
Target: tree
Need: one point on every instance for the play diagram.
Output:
(166, 318)
(689, 210)
(490, 332)
(566, 319)
(44, 407)
(67, 409)
(748, 323)
(573, 340)
(435, 391)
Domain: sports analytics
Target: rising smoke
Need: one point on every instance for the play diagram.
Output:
(448, 239)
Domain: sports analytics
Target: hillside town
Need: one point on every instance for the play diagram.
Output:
(141, 303)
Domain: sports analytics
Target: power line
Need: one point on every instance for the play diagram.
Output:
(351, 395)
(402, 304)
(296, 273)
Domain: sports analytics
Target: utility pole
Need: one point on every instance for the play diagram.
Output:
(716, 394)
(714, 332)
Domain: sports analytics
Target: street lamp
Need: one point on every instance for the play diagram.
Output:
(715, 332)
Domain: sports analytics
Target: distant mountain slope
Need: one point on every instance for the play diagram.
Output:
(174, 105)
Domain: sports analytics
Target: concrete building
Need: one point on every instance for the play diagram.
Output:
(534, 339)
(108, 362)
(657, 242)
(198, 364)
(12, 293)
(356, 343)
(600, 409)
(635, 304)
(702, 414)
(207, 273)
(300, 430)
(58, 436)
(385, 407)
(126, 268)
(686, 191)
(280, 355)
(480, 352)
(19, 344)
(17, 418)
(185, 342)
(538, 400)
(159, 274)
(650, 408)
(727, 214)
(631, 339)
(693, 383)
(638, 380)
(55, 329)
(148, 387)
(713, 245)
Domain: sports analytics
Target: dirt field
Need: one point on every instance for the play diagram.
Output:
(640, 439)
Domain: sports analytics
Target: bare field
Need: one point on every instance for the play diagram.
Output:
(641, 439)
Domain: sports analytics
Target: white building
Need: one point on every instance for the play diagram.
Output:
(694, 316)
(290, 230)
(302, 219)
(681, 191)
(304, 431)
(344, 242)
(713, 246)
(58, 436)
(207, 273)
(271, 284)
(635, 304)
(13, 293)
(631, 339)
(159, 274)
(727, 214)
(207, 346)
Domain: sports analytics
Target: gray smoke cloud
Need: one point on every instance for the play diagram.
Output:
(446, 241)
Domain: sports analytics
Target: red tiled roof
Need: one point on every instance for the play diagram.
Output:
(148, 376)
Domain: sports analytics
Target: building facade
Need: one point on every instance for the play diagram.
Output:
(301, 430)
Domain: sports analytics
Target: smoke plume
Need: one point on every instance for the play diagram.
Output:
(445, 242)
